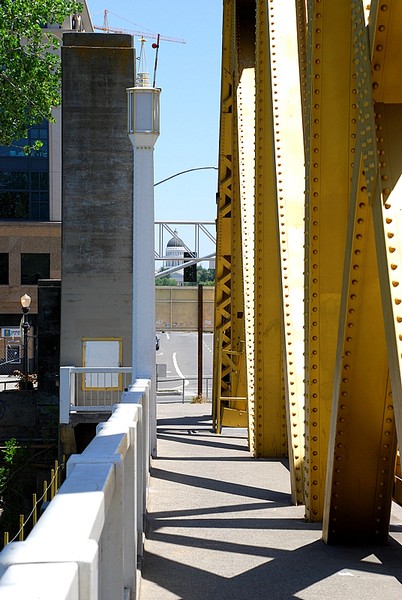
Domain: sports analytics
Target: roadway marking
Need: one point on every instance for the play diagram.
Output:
(207, 347)
(176, 366)
(167, 335)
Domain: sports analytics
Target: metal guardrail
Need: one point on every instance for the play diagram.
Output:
(180, 389)
(9, 383)
(89, 388)
(99, 388)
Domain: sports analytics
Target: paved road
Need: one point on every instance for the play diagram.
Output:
(179, 352)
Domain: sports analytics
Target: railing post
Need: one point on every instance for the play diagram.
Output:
(65, 393)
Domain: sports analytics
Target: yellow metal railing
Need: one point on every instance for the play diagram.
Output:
(49, 490)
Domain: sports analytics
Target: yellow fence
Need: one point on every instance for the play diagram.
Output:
(48, 493)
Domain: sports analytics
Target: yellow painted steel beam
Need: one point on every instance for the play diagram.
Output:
(386, 57)
(270, 412)
(280, 226)
(363, 442)
(353, 250)
(363, 439)
(330, 138)
(387, 215)
(223, 267)
(229, 338)
(245, 119)
(301, 20)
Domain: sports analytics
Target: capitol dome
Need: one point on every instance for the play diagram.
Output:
(174, 254)
(175, 242)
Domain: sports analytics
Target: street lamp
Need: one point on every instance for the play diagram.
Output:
(143, 129)
(143, 116)
(25, 304)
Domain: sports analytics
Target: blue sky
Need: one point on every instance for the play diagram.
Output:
(189, 75)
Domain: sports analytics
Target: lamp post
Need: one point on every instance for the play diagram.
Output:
(143, 130)
(25, 304)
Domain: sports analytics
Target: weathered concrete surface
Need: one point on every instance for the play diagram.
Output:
(221, 526)
(28, 416)
(97, 192)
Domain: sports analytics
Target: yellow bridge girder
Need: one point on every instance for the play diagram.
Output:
(308, 316)
(229, 383)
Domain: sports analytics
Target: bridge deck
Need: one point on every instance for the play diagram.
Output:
(221, 525)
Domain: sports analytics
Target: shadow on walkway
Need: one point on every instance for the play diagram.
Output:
(221, 526)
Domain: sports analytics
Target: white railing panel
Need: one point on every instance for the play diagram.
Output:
(47, 582)
(96, 519)
(50, 551)
(91, 388)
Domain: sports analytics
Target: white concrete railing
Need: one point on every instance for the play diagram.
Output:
(85, 389)
(88, 543)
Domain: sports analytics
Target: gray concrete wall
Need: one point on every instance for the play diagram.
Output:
(96, 299)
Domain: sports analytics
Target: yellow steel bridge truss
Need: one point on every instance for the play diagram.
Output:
(308, 311)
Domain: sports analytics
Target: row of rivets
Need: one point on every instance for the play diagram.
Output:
(365, 138)
(246, 141)
(379, 44)
(312, 415)
(391, 224)
(356, 258)
(260, 124)
(290, 378)
(364, 101)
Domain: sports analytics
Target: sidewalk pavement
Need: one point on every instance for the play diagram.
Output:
(221, 526)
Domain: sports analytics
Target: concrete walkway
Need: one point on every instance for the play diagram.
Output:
(221, 526)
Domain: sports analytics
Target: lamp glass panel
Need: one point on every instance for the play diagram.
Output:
(143, 111)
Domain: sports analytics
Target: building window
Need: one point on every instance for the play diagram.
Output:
(34, 267)
(36, 132)
(3, 268)
(24, 179)
(24, 195)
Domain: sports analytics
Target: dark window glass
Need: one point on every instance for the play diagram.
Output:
(44, 181)
(34, 267)
(3, 268)
(5, 180)
(20, 180)
(21, 194)
(23, 177)
(35, 181)
(14, 205)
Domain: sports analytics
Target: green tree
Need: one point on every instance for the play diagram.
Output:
(30, 71)
(165, 281)
(205, 276)
(12, 459)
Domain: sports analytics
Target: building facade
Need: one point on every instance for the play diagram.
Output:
(30, 217)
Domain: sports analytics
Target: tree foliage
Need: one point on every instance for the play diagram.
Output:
(162, 281)
(29, 63)
(13, 457)
(204, 277)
